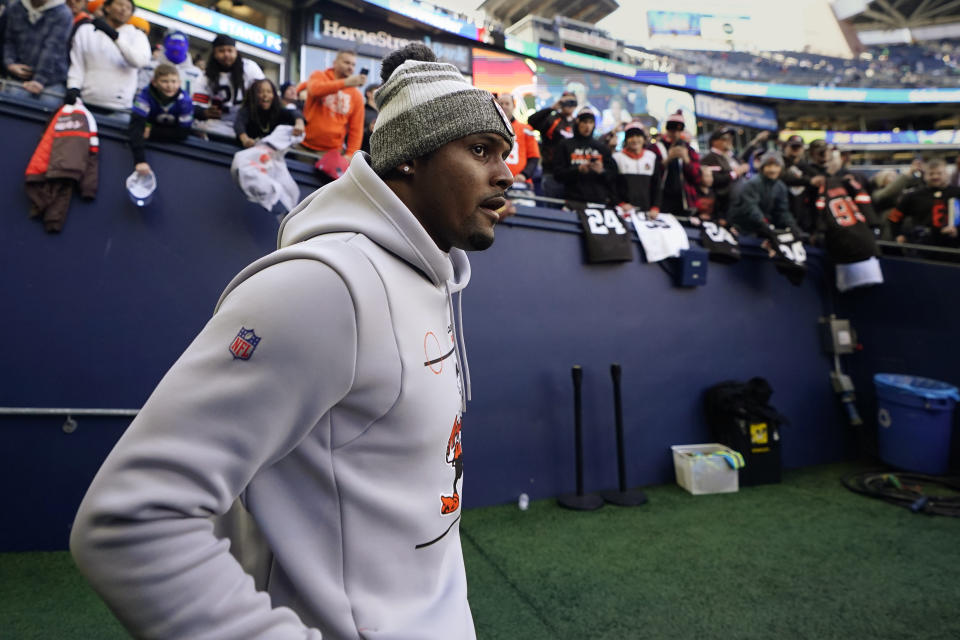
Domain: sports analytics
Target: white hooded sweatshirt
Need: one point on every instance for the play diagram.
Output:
(325, 393)
(105, 70)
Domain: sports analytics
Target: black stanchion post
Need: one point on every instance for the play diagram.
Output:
(579, 500)
(578, 425)
(622, 496)
(618, 421)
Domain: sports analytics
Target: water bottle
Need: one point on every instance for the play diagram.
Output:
(523, 502)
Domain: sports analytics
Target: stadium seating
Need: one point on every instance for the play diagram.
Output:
(917, 65)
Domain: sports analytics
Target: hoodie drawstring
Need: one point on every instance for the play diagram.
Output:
(463, 343)
(456, 319)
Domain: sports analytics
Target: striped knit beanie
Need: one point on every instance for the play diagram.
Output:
(423, 106)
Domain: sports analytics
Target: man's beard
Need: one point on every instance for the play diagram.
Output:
(478, 241)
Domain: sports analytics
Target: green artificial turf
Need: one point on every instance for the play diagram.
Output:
(802, 559)
(44, 597)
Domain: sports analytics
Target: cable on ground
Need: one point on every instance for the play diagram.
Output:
(908, 490)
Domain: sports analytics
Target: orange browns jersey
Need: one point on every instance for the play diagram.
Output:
(525, 146)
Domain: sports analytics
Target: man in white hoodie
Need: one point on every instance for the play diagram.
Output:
(298, 471)
(104, 59)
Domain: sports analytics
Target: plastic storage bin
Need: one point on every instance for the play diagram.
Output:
(700, 473)
(914, 422)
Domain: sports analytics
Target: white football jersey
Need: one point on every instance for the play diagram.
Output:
(662, 237)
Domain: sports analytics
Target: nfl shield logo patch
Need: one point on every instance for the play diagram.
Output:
(243, 345)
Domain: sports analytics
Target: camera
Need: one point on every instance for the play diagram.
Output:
(365, 71)
(568, 102)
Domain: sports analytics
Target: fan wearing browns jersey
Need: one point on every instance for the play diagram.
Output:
(845, 218)
(928, 208)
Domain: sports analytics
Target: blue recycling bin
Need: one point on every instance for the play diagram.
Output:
(914, 422)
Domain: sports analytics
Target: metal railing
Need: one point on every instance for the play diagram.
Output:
(927, 248)
(11, 82)
(70, 424)
(117, 127)
(884, 244)
(523, 195)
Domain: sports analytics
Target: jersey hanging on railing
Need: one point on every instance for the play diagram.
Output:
(67, 157)
(791, 257)
(719, 242)
(661, 237)
(605, 235)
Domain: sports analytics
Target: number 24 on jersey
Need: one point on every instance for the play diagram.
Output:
(603, 222)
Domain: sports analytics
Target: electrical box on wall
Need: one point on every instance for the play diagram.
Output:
(690, 268)
(837, 337)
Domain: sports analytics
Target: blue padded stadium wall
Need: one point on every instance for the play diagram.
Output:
(95, 316)
(534, 309)
(908, 325)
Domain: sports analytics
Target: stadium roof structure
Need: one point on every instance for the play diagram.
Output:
(511, 11)
(905, 14)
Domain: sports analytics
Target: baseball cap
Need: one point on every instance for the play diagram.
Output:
(793, 141)
(719, 133)
(141, 187)
(585, 113)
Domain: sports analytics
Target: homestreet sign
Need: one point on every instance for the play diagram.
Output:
(380, 39)
(341, 30)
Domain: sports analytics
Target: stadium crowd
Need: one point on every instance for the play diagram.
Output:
(56, 52)
(784, 184)
(915, 65)
(99, 52)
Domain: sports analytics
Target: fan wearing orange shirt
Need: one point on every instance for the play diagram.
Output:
(334, 107)
(525, 155)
